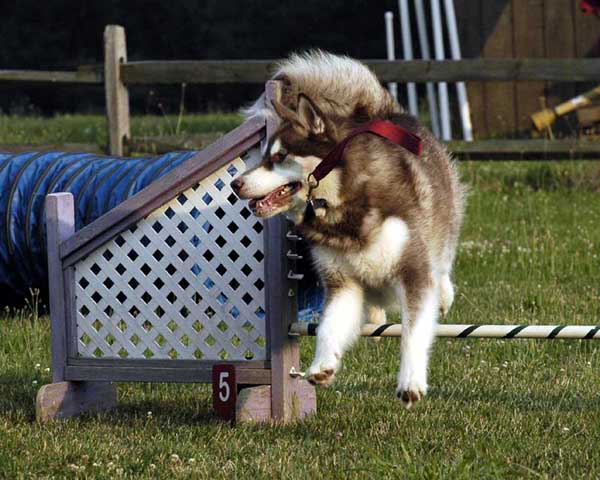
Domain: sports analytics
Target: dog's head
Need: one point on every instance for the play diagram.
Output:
(279, 183)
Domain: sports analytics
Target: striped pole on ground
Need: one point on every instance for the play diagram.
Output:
(582, 332)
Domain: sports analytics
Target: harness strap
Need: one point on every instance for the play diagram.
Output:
(382, 128)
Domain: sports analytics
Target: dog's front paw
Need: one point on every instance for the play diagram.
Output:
(321, 374)
(411, 392)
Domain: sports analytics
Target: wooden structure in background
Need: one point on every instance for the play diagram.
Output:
(515, 52)
(521, 29)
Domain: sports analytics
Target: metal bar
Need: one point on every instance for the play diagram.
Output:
(426, 55)
(390, 49)
(582, 332)
(438, 43)
(405, 31)
(461, 89)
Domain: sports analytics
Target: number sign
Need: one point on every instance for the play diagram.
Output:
(224, 390)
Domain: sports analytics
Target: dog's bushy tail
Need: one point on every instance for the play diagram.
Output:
(339, 85)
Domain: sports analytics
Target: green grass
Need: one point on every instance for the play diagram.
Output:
(16, 130)
(530, 253)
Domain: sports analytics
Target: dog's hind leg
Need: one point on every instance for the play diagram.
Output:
(337, 330)
(420, 306)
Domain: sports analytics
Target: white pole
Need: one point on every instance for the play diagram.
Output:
(411, 88)
(461, 90)
(426, 55)
(438, 40)
(391, 49)
(550, 332)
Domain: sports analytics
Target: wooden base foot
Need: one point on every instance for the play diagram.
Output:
(69, 399)
(254, 403)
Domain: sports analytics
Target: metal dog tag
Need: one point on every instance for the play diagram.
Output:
(314, 208)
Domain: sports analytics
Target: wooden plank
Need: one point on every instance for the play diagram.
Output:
(288, 402)
(69, 399)
(117, 96)
(528, 27)
(468, 19)
(200, 373)
(587, 34)
(200, 71)
(559, 42)
(212, 158)
(162, 363)
(587, 39)
(472, 69)
(40, 76)
(525, 150)
(254, 403)
(589, 115)
(499, 97)
(60, 225)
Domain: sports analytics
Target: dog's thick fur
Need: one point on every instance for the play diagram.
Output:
(388, 236)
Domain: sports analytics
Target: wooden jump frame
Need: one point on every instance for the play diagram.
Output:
(174, 280)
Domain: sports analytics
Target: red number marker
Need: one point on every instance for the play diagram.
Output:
(224, 390)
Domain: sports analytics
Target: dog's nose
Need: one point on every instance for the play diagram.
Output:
(237, 184)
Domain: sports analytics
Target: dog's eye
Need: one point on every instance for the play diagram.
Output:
(277, 157)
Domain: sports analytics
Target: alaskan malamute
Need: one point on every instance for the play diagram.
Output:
(382, 225)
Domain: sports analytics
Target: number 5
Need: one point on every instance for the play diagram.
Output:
(224, 388)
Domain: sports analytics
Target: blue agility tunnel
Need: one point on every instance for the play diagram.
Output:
(98, 184)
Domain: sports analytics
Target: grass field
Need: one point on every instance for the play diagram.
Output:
(530, 253)
(91, 129)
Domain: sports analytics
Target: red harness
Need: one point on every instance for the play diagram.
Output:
(382, 128)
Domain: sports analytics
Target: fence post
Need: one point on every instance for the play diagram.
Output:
(117, 96)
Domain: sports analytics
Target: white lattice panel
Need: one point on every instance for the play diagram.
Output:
(186, 282)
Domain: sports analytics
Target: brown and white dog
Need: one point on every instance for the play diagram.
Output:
(387, 237)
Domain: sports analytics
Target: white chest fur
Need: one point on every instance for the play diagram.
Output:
(374, 264)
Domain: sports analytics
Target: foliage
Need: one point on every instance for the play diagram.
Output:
(68, 33)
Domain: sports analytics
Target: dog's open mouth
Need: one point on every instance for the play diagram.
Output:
(274, 200)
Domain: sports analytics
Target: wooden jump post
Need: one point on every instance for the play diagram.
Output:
(175, 280)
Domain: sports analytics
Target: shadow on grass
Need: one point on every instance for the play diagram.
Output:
(17, 394)
(520, 400)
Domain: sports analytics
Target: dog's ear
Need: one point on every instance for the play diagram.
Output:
(286, 113)
(310, 115)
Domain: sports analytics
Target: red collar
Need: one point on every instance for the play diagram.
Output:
(382, 128)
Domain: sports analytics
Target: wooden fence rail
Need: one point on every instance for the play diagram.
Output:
(258, 71)
(81, 75)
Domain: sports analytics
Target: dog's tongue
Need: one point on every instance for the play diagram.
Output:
(273, 198)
